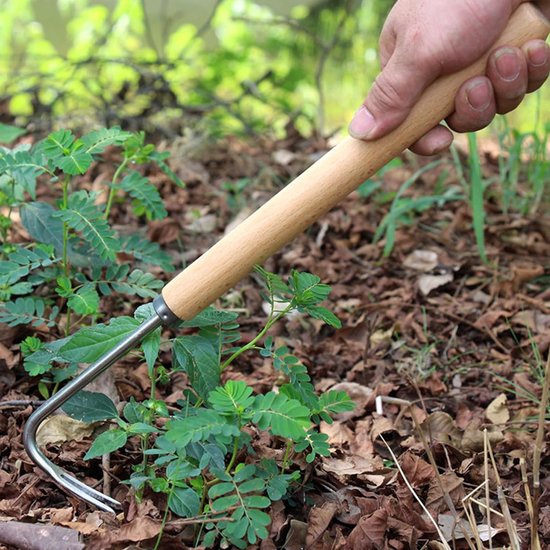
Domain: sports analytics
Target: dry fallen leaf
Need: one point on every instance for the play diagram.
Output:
(497, 411)
(61, 428)
(318, 521)
(422, 260)
(427, 283)
(353, 465)
(370, 532)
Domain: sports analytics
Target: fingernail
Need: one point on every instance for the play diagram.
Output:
(537, 56)
(479, 95)
(362, 123)
(507, 65)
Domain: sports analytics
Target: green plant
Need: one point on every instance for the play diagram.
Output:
(200, 454)
(59, 276)
(404, 209)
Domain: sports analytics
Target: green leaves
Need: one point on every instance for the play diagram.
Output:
(83, 216)
(248, 521)
(200, 360)
(282, 416)
(66, 153)
(90, 407)
(233, 398)
(199, 427)
(10, 133)
(184, 502)
(89, 344)
(107, 442)
(147, 198)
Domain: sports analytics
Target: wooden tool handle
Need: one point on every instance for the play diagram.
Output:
(324, 185)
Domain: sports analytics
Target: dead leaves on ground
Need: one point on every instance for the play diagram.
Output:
(430, 326)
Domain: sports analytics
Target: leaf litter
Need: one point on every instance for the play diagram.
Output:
(451, 346)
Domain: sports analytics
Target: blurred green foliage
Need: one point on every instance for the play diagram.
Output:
(243, 69)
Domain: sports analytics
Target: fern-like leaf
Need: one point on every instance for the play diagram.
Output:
(27, 311)
(96, 141)
(234, 397)
(83, 216)
(145, 194)
(21, 262)
(147, 252)
(199, 427)
(283, 416)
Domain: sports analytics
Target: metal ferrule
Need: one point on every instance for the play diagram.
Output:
(70, 484)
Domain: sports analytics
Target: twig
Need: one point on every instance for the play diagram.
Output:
(106, 467)
(487, 484)
(537, 456)
(20, 403)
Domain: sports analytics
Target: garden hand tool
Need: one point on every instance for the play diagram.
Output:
(275, 224)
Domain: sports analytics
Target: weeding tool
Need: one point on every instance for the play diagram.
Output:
(275, 224)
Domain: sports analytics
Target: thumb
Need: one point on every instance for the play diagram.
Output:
(392, 96)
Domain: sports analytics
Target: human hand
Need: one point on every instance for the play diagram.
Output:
(424, 39)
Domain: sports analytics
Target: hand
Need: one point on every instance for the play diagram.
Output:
(424, 39)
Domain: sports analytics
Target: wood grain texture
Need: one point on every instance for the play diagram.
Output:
(324, 185)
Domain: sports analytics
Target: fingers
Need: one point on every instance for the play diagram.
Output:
(511, 73)
(394, 92)
(537, 53)
(475, 105)
(436, 140)
(507, 70)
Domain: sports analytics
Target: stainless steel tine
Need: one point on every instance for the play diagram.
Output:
(66, 481)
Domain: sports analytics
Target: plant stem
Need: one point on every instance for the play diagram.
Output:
(164, 519)
(65, 253)
(286, 456)
(233, 455)
(270, 322)
(112, 190)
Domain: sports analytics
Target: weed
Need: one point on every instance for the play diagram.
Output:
(201, 455)
(58, 278)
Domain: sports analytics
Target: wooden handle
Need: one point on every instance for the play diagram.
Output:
(324, 185)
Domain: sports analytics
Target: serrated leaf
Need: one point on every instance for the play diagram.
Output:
(147, 252)
(90, 407)
(83, 216)
(39, 220)
(147, 195)
(210, 317)
(144, 285)
(90, 343)
(107, 442)
(197, 357)
(23, 168)
(184, 502)
(283, 416)
(76, 162)
(324, 314)
(96, 141)
(85, 301)
(58, 143)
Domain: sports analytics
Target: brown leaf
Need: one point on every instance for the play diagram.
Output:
(352, 465)
(447, 485)
(141, 528)
(358, 393)
(497, 411)
(60, 428)
(339, 434)
(427, 283)
(440, 426)
(417, 471)
(296, 536)
(318, 521)
(370, 532)
(473, 439)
